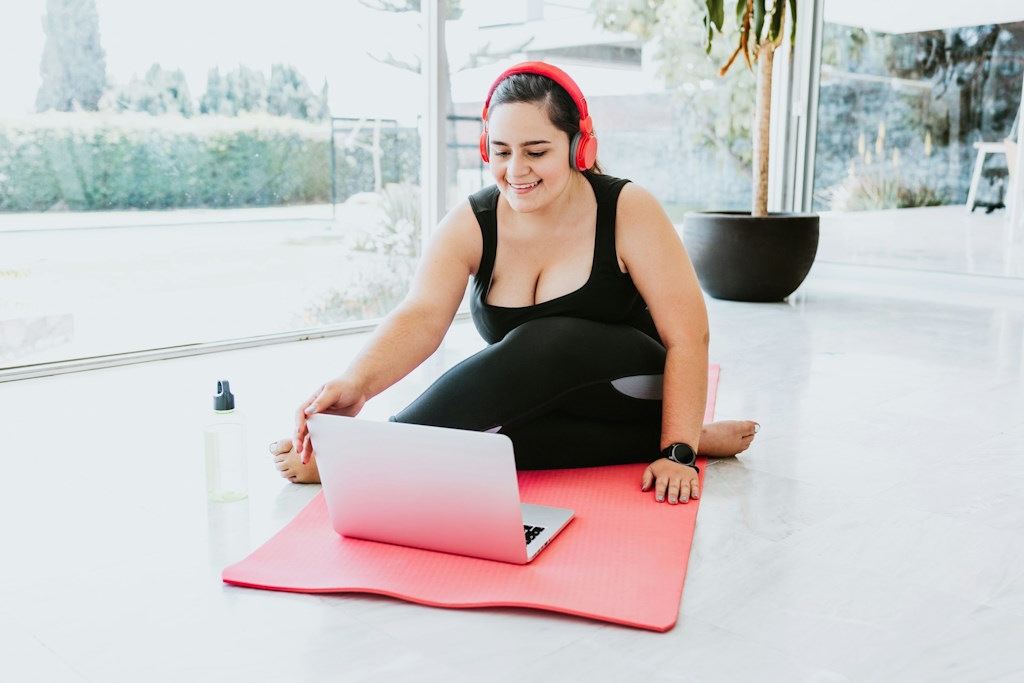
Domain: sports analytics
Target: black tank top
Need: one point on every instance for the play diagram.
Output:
(608, 296)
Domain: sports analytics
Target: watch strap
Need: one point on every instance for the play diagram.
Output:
(669, 453)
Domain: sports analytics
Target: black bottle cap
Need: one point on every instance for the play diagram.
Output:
(224, 400)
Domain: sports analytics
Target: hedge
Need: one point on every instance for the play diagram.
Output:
(106, 161)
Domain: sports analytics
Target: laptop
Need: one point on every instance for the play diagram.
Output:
(449, 490)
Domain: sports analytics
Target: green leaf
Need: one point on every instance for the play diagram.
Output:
(792, 23)
(741, 12)
(707, 34)
(716, 10)
(778, 12)
(758, 21)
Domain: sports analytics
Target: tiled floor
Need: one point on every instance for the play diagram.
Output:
(872, 533)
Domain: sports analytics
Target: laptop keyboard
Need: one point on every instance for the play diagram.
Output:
(532, 532)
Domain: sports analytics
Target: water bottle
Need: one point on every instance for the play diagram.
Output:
(224, 439)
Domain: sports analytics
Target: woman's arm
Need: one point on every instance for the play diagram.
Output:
(655, 258)
(410, 332)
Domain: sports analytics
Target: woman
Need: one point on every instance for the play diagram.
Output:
(597, 330)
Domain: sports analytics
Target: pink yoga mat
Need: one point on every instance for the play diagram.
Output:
(622, 559)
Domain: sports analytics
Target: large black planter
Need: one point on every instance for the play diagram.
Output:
(741, 258)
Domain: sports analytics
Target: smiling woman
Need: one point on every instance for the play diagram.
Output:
(596, 328)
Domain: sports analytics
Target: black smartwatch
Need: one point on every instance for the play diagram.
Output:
(682, 454)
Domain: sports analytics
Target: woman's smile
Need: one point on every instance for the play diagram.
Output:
(523, 188)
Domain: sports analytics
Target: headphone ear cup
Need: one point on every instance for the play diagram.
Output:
(574, 145)
(584, 150)
(484, 145)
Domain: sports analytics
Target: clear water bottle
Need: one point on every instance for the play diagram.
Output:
(226, 476)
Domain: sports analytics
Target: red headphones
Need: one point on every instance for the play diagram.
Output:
(583, 147)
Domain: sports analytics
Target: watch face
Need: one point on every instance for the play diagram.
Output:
(683, 454)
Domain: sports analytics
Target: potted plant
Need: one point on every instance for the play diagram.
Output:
(753, 256)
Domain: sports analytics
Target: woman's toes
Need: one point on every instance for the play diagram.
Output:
(727, 437)
(305, 474)
(281, 446)
(289, 463)
(290, 471)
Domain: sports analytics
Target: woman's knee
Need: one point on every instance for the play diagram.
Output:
(555, 341)
(554, 330)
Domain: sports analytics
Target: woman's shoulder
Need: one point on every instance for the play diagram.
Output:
(460, 219)
(458, 233)
(635, 199)
(640, 219)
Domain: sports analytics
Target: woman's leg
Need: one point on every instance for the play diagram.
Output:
(566, 364)
(568, 392)
(562, 440)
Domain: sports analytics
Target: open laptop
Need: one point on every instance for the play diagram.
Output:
(450, 490)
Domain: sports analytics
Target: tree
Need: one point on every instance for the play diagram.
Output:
(324, 111)
(74, 65)
(672, 25)
(761, 28)
(720, 117)
(215, 99)
(962, 57)
(244, 89)
(247, 90)
(289, 94)
(483, 55)
(955, 55)
(160, 91)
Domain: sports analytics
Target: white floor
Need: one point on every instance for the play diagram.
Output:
(941, 238)
(872, 533)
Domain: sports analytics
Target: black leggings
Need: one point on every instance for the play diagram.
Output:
(568, 392)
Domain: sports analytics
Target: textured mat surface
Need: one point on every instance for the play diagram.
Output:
(622, 559)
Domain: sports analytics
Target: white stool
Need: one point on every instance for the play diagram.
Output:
(984, 149)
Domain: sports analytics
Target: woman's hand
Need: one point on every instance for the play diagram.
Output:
(340, 396)
(680, 482)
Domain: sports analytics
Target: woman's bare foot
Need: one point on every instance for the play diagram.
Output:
(289, 463)
(728, 437)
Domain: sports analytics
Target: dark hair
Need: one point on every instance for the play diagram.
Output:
(537, 89)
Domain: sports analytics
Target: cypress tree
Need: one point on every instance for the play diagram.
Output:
(74, 65)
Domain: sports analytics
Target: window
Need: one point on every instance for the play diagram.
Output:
(209, 171)
(201, 171)
(899, 113)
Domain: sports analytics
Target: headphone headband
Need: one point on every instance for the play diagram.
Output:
(549, 71)
(583, 146)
